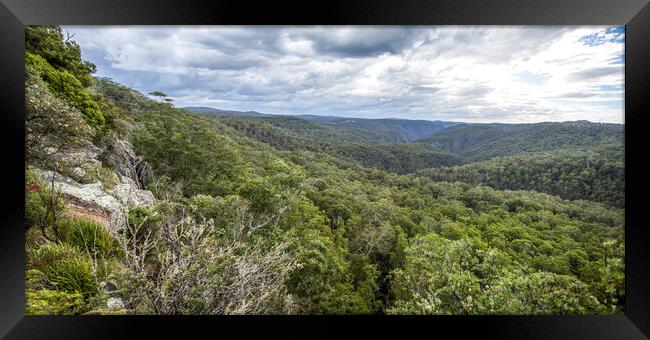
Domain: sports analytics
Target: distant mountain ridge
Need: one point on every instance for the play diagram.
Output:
(391, 130)
(536, 156)
(213, 111)
(398, 130)
(469, 141)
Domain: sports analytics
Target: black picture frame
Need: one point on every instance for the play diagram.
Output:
(634, 14)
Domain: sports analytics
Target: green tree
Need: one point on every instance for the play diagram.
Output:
(62, 53)
(161, 95)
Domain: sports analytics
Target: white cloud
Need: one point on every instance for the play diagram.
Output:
(477, 74)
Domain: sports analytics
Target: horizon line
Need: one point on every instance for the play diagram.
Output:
(392, 118)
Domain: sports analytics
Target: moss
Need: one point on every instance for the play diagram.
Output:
(105, 311)
(48, 302)
(35, 279)
(92, 174)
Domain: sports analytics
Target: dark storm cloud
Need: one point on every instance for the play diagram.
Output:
(360, 42)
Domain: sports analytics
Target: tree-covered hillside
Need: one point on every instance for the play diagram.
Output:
(595, 174)
(485, 141)
(136, 207)
(293, 133)
(388, 130)
(219, 113)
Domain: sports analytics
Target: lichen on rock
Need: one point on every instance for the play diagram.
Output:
(100, 183)
(90, 201)
(128, 193)
(86, 200)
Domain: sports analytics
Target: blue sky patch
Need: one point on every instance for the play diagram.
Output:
(610, 34)
(532, 78)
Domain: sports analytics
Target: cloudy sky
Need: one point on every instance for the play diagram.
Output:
(460, 73)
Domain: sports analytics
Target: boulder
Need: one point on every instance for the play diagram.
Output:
(114, 303)
(107, 286)
(105, 205)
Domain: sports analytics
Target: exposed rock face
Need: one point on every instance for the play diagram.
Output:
(128, 193)
(90, 201)
(123, 159)
(84, 156)
(86, 200)
(79, 171)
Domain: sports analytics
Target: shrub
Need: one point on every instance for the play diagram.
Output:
(41, 205)
(65, 86)
(64, 267)
(144, 217)
(87, 236)
(51, 125)
(116, 118)
(204, 206)
(108, 177)
(35, 207)
(46, 301)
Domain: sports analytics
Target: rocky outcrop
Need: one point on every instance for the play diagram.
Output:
(82, 188)
(128, 193)
(86, 200)
(91, 201)
(80, 157)
(123, 159)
